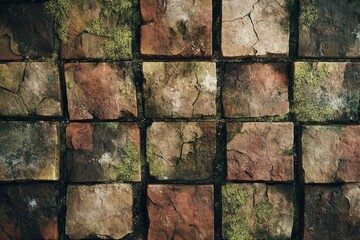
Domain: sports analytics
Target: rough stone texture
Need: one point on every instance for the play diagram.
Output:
(94, 28)
(179, 150)
(326, 91)
(329, 28)
(179, 89)
(28, 212)
(103, 152)
(331, 153)
(26, 30)
(29, 89)
(332, 212)
(181, 212)
(255, 28)
(176, 28)
(100, 90)
(99, 211)
(260, 151)
(29, 151)
(257, 211)
(255, 90)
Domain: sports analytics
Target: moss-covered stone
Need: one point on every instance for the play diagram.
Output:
(309, 14)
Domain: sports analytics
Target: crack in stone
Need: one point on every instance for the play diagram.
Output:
(197, 87)
(253, 26)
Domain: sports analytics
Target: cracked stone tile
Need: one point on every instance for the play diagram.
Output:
(29, 151)
(260, 151)
(29, 89)
(100, 90)
(255, 90)
(179, 89)
(181, 150)
(26, 30)
(326, 91)
(99, 211)
(28, 211)
(255, 28)
(180, 212)
(332, 212)
(176, 28)
(331, 153)
(257, 211)
(329, 28)
(103, 152)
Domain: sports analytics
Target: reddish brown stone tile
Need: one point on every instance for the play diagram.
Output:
(180, 212)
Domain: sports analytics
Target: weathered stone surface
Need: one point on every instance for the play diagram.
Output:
(99, 211)
(257, 211)
(181, 212)
(331, 153)
(255, 90)
(181, 150)
(100, 90)
(28, 212)
(29, 89)
(29, 151)
(93, 28)
(26, 30)
(176, 28)
(255, 28)
(326, 91)
(103, 152)
(179, 89)
(260, 151)
(332, 212)
(329, 28)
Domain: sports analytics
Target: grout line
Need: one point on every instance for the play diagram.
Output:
(62, 183)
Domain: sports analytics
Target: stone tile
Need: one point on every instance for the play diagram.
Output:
(332, 212)
(103, 152)
(28, 211)
(257, 211)
(326, 91)
(329, 28)
(255, 28)
(255, 90)
(181, 212)
(260, 151)
(181, 150)
(179, 89)
(176, 28)
(99, 211)
(93, 28)
(26, 30)
(100, 90)
(29, 151)
(29, 89)
(331, 153)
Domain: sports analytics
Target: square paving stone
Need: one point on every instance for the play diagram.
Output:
(181, 150)
(329, 28)
(29, 151)
(255, 90)
(332, 212)
(29, 89)
(100, 90)
(179, 89)
(26, 30)
(255, 28)
(93, 28)
(260, 151)
(175, 28)
(326, 91)
(257, 211)
(331, 153)
(181, 212)
(28, 211)
(99, 211)
(103, 152)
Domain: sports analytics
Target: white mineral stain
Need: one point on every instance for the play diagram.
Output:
(209, 82)
(105, 159)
